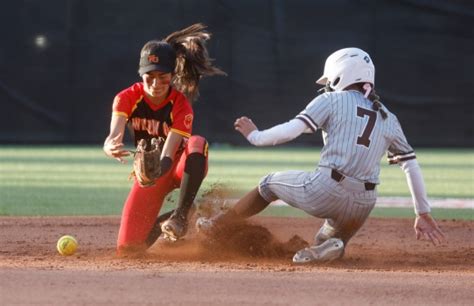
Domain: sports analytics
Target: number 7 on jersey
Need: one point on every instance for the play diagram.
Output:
(364, 139)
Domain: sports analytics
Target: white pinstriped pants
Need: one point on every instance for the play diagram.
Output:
(319, 195)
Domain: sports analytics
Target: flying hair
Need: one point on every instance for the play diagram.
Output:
(192, 59)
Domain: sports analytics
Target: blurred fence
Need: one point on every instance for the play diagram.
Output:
(62, 62)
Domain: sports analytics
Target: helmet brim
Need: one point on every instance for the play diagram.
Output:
(322, 80)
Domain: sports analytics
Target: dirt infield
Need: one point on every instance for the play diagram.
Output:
(383, 264)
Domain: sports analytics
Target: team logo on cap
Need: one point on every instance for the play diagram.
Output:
(152, 58)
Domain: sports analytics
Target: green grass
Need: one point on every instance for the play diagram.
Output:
(75, 180)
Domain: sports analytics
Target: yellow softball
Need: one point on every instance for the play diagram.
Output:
(67, 245)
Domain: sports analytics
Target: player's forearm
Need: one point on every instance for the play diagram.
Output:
(416, 185)
(278, 134)
(171, 145)
(113, 144)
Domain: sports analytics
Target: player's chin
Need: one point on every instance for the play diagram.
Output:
(159, 92)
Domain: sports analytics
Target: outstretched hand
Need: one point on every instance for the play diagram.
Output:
(244, 125)
(426, 226)
(114, 148)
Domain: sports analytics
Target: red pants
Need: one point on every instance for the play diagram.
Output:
(143, 204)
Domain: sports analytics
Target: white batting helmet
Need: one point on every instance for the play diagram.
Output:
(346, 67)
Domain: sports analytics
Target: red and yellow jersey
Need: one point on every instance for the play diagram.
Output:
(149, 120)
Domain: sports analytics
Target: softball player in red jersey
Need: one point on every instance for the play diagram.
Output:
(357, 131)
(157, 108)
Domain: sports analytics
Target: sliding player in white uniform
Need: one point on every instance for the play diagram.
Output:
(357, 131)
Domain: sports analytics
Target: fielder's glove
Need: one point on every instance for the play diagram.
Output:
(146, 163)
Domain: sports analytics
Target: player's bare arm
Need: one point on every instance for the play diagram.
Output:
(245, 126)
(172, 143)
(113, 145)
(171, 146)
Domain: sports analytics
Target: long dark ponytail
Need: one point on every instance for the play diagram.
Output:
(376, 104)
(192, 59)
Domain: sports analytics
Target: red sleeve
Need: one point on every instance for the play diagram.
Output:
(126, 100)
(183, 116)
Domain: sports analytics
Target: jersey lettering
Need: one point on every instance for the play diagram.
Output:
(151, 126)
(364, 139)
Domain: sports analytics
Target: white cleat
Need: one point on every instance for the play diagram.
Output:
(329, 250)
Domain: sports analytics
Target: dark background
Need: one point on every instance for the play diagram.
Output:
(63, 61)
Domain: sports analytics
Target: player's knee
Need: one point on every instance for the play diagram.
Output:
(265, 190)
(197, 144)
(196, 163)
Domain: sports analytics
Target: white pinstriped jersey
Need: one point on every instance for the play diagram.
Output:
(355, 136)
